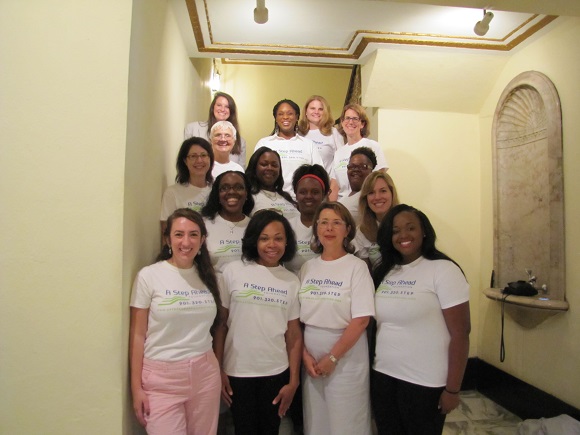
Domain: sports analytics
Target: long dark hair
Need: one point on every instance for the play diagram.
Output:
(202, 261)
(292, 104)
(259, 221)
(233, 118)
(213, 205)
(390, 257)
(253, 181)
(182, 176)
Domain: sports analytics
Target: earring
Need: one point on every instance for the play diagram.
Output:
(345, 242)
(198, 253)
(170, 251)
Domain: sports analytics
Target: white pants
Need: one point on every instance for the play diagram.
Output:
(340, 403)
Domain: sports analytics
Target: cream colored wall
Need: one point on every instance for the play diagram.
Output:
(166, 90)
(434, 161)
(63, 96)
(547, 356)
(257, 88)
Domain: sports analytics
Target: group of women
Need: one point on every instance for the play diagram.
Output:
(266, 284)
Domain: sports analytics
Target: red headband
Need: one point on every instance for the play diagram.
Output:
(317, 178)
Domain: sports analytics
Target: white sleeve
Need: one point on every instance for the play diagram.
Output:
(381, 159)
(363, 292)
(450, 285)
(168, 204)
(141, 295)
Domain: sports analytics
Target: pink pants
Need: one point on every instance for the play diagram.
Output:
(184, 396)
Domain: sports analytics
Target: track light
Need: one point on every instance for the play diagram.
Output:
(481, 27)
(260, 12)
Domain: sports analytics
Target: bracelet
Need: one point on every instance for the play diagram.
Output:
(451, 392)
(333, 358)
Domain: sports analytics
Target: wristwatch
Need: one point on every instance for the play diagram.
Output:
(333, 358)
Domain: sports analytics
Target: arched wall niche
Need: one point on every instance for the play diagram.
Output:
(528, 188)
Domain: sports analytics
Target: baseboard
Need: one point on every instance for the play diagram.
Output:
(517, 396)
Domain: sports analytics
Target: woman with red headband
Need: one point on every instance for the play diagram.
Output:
(311, 187)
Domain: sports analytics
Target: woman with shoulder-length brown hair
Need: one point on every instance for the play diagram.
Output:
(378, 195)
(354, 127)
(336, 303)
(175, 304)
(222, 108)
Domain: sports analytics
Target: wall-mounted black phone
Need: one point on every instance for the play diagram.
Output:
(520, 288)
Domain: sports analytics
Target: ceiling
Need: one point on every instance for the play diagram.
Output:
(348, 31)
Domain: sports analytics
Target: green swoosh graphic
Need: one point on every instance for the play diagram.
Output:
(225, 249)
(173, 300)
(252, 292)
(308, 288)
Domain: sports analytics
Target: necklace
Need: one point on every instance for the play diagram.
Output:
(232, 225)
(273, 196)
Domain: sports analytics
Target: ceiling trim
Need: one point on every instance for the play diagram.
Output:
(354, 50)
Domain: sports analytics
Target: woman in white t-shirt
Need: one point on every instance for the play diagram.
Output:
(226, 217)
(422, 313)
(175, 376)
(222, 108)
(260, 356)
(311, 186)
(316, 123)
(377, 195)
(266, 183)
(354, 127)
(223, 137)
(294, 150)
(193, 180)
(360, 165)
(336, 303)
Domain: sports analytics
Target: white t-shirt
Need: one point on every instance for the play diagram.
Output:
(303, 251)
(412, 337)
(342, 156)
(326, 145)
(224, 240)
(335, 292)
(351, 204)
(365, 249)
(220, 168)
(179, 196)
(199, 129)
(265, 200)
(261, 301)
(294, 153)
(181, 311)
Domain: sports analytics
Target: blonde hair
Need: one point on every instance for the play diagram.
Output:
(368, 218)
(362, 114)
(326, 121)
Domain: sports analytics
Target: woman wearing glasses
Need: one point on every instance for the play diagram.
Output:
(226, 217)
(354, 127)
(336, 303)
(294, 150)
(222, 108)
(193, 179)
(360, 165)
(223, 137)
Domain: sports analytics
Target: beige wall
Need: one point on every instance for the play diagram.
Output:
(92, 117)
(63, 123)
(547, 356)
(257, 88)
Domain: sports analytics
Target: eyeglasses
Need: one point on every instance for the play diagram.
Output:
(355, 167)
(202, 156)
(353, 119)
(331, 224)
(236, 188)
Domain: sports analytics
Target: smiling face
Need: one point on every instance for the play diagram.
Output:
(309, 195)
(380, 199)
(286, 120)
(271, 244)
(268, 170)
(221, 109)
(352, 124)
(233, 194)
(222, 141)
(358, 169)
(197, 160)
(185, 240)
(407, 236)
(314, 113)
(331, 229)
